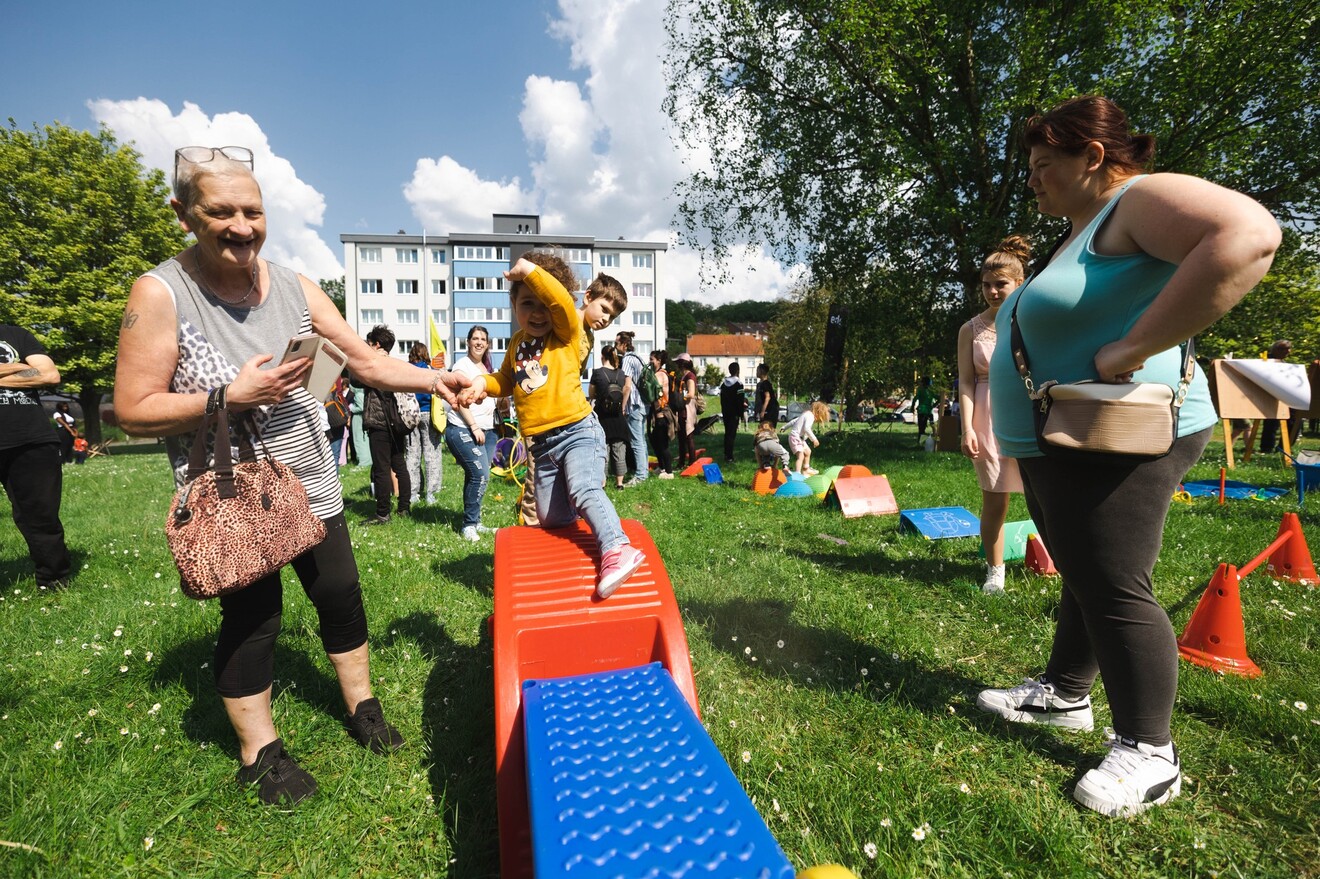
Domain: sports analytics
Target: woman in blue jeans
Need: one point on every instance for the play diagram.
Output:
(470, 434)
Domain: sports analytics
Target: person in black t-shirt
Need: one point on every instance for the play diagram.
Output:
(30, 467)
(766, 403)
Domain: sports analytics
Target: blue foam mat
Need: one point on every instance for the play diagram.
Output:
(1232, 489)
(623, 780)
(938, 523)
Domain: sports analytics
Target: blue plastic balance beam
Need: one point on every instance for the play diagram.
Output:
(623, 781)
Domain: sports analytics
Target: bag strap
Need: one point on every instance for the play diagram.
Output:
(1023, 363)
(217, 413)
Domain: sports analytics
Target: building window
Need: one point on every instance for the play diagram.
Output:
(643, 261)
(480, 284)
(405, 255)
(578, 254)
(497, 343)
(405, 346)
(408, 316)
(644, 348)
(438, 256)
(369, 254)
(643, 318)
(370, 286)
(405, 287)
(480, 314)
(643, 291)
(438, 317)
(488, 253)
(609, 260)
(437, 288)
(372, 316)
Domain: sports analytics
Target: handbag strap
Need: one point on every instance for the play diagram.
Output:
(218, 413)
(1022, 362)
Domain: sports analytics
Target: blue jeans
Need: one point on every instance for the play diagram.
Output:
(636, 418)
(570, 481)
(475, 461)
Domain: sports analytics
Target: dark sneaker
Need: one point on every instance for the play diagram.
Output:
(1034, 701)
(370, 729)
(278, 777)
(377, 520)
(1132, 778)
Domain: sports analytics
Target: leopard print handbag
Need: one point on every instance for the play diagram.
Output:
(232, 524)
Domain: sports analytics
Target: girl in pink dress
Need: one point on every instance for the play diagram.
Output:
(1001, 273)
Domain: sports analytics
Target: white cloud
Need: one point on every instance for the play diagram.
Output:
(446, 197)
(294, 209)
(603, 160)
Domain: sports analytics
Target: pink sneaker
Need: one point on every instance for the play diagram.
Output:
(616, 566)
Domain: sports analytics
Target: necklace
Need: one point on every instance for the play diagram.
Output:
(197, 264)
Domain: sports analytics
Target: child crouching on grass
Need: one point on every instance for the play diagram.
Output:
(768, 449)
(566, 443)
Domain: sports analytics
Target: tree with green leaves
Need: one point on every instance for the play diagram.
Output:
(879, 141)
(334, 288)
(80, 220)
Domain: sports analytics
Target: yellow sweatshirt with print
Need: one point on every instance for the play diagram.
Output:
(560, 400)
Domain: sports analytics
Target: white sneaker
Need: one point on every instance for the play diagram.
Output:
(1034, 701)
(1133, 777)
(665, 474)
(470, 533)
(484, 529)
(994, 580)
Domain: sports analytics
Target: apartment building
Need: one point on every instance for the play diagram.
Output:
(457, 280)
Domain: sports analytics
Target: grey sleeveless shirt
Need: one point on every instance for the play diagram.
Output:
(216, 339)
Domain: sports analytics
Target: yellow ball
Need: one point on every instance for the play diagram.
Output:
(827, 871)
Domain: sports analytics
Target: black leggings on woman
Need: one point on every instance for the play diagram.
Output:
(250, 618)
(664, 461)
(1103, 526)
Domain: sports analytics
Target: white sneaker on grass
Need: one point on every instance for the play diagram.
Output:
(470, 533)
(1034, 701)
(1133, 777)
(994, 580)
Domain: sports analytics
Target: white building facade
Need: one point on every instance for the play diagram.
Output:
(457, 281)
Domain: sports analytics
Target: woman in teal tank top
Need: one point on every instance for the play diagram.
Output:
(1148, 262)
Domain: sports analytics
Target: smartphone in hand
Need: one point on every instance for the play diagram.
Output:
(328, 362)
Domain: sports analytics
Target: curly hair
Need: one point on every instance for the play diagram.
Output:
(555, 265)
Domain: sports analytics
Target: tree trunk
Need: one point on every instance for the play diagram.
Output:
(90, 401)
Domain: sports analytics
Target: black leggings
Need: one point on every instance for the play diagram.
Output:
(250, 618)
(664, 461)
(1103, 526)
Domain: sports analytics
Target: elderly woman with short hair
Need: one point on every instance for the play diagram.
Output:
(215, 317)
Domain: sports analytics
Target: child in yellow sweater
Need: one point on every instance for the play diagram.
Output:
(541, 371)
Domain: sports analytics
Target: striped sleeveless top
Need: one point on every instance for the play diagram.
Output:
(216, 339)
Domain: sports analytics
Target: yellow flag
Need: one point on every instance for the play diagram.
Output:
(437, 347)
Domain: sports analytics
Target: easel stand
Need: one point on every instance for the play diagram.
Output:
(1252, 431)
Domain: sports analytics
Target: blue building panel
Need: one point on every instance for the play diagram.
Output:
(478, 268)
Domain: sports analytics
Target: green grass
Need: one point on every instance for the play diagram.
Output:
(838, 680)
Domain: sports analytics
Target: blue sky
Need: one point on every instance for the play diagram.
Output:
(386, 116)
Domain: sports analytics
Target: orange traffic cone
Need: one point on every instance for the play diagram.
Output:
(1038, 558)
(767, 479)
(1214, 637)
(1292, 560)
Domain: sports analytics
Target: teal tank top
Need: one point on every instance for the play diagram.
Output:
(1078, 304)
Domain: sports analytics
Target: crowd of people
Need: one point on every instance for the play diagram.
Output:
(1148, 260)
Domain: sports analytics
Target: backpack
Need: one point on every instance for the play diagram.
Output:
(676, 401)
(648, 385)
(610, 403)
